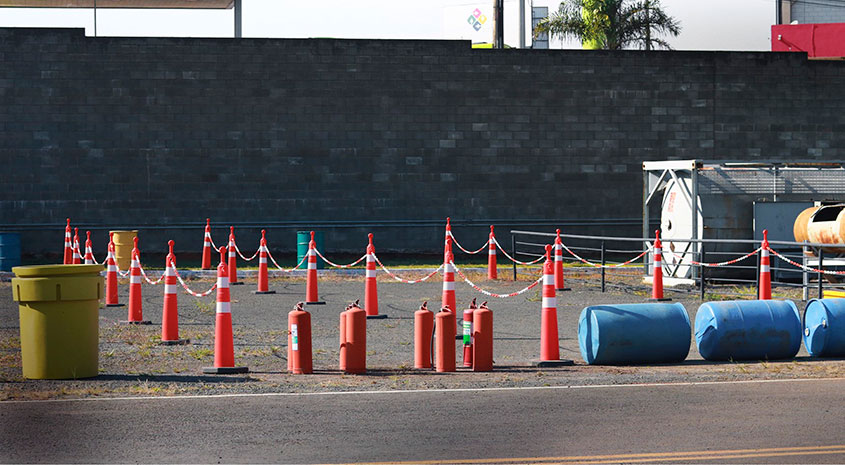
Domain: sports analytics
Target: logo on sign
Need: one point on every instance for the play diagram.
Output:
(476, 19)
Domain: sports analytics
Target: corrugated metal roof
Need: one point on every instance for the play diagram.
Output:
(164, 4)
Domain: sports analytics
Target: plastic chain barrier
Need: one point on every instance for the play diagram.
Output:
(340, 266)
(122, 274)
(144, 274)
(493, 294)
(282, 269)
(515, 260)
(599, 265)
(402, 280)
(455, 241)
(242, 255)
(713, 265)
(805, 267)
(187, 289)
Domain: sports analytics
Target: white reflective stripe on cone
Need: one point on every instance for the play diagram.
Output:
(169, 271)
(262, 260)
(222, 282)
(549, 302)
(548, 280)
(224, 307)
(170, 288)
(448, 285)
(765, 269)
(312, 265)
(371, 273)
(112, 269)
(448, 268)
(134, 280)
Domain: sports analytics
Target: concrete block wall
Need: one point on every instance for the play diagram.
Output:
(140, 131)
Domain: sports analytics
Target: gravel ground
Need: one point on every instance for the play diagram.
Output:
(133, 363)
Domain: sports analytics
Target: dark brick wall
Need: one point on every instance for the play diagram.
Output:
(134, 131)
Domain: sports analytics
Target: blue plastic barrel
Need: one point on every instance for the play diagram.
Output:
(634, 333)
(10, 250)
(824, 327)
(748, 330)
(303, 238)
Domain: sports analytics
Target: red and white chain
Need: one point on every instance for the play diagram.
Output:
(493, 294)
(340, 266)
(515, 260)
(455, 241)
(144, 274)
(242, 255)
(599, 265)
(282, 269)
(403, 280)
(713, 265)
(187, 289)
(805, 267)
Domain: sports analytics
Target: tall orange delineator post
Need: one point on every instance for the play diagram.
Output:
(657, 275)
(371, 286)
(206, 246)
(492, 271)
(263, 281)
(445, 340)
(233, 259)
(448, 300)
(466, 333)
(67, 258)
(89, 249)
(423, 332)
(111, 277)
(765, 292)
(224, 345)
(136, 312)
(559, 283)
(482, 339)
(170, 308)
(77, 256)
(354, 340)
(549, 341)
(312, 296)
(299, 341)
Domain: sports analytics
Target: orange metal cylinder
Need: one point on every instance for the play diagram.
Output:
(799, 229)
(445, 341)
(467, 333)
(356, 340)
(482, 339)
(342, 363)
(827, 226)
(423, 328)
(299, 328)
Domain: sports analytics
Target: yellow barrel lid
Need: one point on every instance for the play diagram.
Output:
(40, 271)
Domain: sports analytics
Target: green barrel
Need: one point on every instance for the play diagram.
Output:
(10, 250)
(59, 317)
(302, 240)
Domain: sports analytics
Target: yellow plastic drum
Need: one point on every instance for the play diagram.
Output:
(59, 312)
(124, 241)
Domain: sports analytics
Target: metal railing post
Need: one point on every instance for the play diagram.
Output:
(805, 278)
(513, 254)
(602, 266)
(701, 271)
(821, 275)
(757, 278)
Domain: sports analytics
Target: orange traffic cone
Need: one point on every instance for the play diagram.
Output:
(371, 288)
(170, 311)
(111, 276)
(263, 285)
(89, 249)
(549, 342)
(765, 292)
(492, 272)
(233, 259)
(312, 297)
(559, 285)
(448, 297)
(136, 312)
(77, 257)
(224, 346)
(68, 252)
(657, 275)
(206, 246)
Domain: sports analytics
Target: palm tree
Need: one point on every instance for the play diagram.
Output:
(611, 24)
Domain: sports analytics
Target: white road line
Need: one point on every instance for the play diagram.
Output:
(424, 391)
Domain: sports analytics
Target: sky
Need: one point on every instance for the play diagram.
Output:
(706, 24)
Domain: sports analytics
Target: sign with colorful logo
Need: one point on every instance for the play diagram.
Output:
(476, 19)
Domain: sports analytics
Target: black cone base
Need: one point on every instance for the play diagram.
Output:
(553, 363)
(225, 370)
(237, 283)
(662, 299)
(115, 305)
(145, 322)
(315, 303)
(376, 317)
(178, 342)
(564, 289)
(263, 292)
